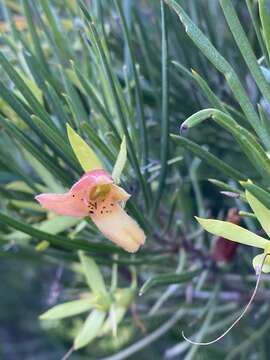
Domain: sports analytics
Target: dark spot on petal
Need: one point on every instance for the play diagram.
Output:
(73, 195)
(91, 212)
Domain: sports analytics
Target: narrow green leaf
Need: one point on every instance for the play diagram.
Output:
(90, 90)
(59, 241)
(225, 186)
(210, 95)
(261, 194)
(222, 65)
(34, 34)
(85, 155)
(58, 36)
(45, 175)
(49, 85)
(32, 86)
(24, 89)
(11, 164)
(55, 137)
(232, 232)
(34, 149)
(253, 150)
(264, 120)
(245, 47)
(90, 329)
(100, 144)
(164, 131)
(166, 279)
(93, 275)
(107, 69)
(67, 309)
(209, 158)
(54, 225)
(252, 8)
(75, 102)
(27, 205)
(139, 100)
(120, 162)
(261, 212)
(265, 22)
(22, 186)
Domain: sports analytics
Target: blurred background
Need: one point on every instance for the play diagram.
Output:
(52, 50)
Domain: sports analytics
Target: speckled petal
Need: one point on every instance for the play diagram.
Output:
(74, 203)
(120, 228)
(63, 204)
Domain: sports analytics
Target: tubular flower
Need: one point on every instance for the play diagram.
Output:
(95, 195)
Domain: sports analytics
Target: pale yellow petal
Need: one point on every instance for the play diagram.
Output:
(120, 228)
(118, 194)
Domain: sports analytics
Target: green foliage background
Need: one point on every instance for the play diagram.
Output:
(139, 69)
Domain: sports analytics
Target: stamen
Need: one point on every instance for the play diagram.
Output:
(100, 192)
(258, 273)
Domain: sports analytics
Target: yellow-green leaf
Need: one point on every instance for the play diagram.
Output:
(90, 329)
(93, 275)
(120, 162)
(21, 186)
(119, 313)
(32, 86)
(261, 212)
(85, 155)
(232, 232)
(257, 263)
(67, 309)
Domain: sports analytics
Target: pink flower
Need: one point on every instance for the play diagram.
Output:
(96, 195)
